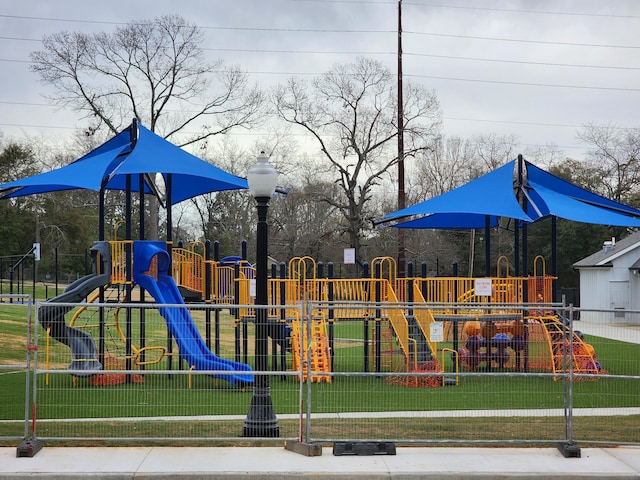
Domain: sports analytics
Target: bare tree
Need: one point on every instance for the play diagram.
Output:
(615, 154)
(350, 111)
(445, 167)
(152, 70)
(545, 156)
(493, 151)
(303, 225)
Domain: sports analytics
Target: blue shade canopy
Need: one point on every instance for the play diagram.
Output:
(134, 151)
(570, 208)
(190, 176)
(468, 205)
(537, 176)
(85, 173)
(496, 195)
(462, 221)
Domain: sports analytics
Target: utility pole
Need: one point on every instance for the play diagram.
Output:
(401, 193)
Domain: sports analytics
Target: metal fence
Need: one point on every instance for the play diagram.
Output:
(177, 374)
(16, 350)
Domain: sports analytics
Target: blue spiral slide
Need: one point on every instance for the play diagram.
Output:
(192, 347)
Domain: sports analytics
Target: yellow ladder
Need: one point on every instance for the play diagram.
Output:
(582, 358)
(320, 356)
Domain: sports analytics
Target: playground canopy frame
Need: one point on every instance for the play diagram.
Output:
(518, 191)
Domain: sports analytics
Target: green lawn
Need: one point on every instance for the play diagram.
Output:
(62, 397)
(163, 396)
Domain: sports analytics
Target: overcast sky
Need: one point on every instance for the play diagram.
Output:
(536, 69)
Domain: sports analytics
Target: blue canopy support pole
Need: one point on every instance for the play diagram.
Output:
(129, 275)
(365, 335)
(487, 246)
(208, 272)
(516, 248)
(133, 136)
(169, 182)
(525, 260)
(101, 325)
(128, 219)
(101, 211)
(525, 246)
(525, 249)
(454, 269)
(141, 236)
(519, 196)
(142, 207)
(169, 246)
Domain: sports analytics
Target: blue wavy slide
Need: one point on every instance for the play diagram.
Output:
(179, 322)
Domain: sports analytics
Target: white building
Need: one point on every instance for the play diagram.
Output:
(610, 280)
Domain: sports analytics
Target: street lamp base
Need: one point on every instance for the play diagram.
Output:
(261, 420)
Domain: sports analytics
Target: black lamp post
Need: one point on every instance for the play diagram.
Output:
(261, 419)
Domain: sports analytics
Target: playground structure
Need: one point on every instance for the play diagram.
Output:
(145, 264)
(408, 324)
(398, 315)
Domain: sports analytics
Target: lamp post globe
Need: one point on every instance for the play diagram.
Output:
(262, 178)
(261, 420)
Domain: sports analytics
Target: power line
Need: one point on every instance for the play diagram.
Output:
(519, 40)
(536, 12)
(53, 19)
(435, 77)
(525, 84)
(20, 125)
(12, 60)
(453, 118)
(485, 9)
(512, 122)
(21, 39)
(426, 55)
(204, 27)
(347, 52)
(477, 80)
(28, 104)
(522, 62)
(324, 30)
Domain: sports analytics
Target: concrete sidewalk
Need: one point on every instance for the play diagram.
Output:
(622, 332)
(120, 463)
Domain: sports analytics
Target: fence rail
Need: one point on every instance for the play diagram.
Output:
(455, 387)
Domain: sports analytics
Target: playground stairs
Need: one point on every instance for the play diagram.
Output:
(582, 359)
(423, 319)
(412, 331)
(320, 358)
(423, 351)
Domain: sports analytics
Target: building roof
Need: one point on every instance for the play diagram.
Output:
(610, 251)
